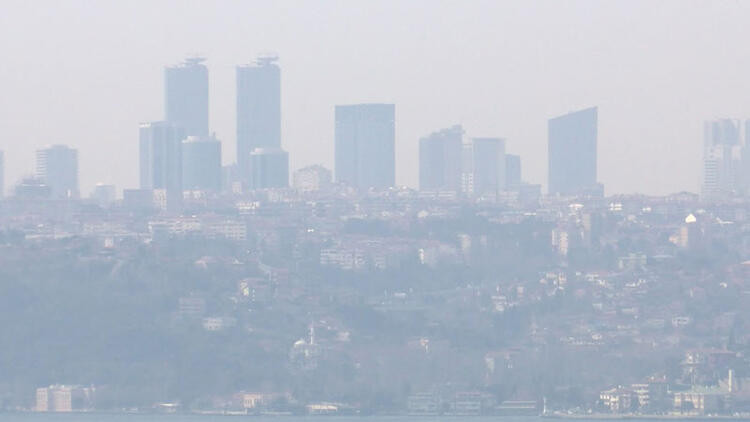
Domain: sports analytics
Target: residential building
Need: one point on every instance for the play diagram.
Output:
(312, 178)
(64, 398)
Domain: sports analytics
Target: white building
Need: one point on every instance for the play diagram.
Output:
(312, 178)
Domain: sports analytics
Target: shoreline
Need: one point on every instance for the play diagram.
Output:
(608, 416)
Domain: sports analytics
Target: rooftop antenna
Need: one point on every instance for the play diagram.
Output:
(194, 59)
(266, 57)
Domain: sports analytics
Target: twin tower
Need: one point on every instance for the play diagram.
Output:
(179, 154)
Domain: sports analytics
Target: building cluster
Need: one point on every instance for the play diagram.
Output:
(548, 293)
(726, 158)
(179, 157)
(474, 294)
(64, 398)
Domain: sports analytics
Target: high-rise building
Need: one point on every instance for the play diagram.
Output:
(440, 160)
(572, 142)
(258, 109)
(312, 178)
(724, 172)
(201, 164)
(483, 167)
(186, 96)
(269, 168)
(365, 145)
(512, 171)
(57, 167)
(161, 159)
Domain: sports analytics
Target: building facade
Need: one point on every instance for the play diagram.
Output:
(201, 164)
(365, 155)
(440, 160)
(483, 166)
(512, 171)
(186, 96)
(312, 178)
(57, 167)
(258, 109)
(269, 168)
(572, 153)
(160, 152)
(725, 159)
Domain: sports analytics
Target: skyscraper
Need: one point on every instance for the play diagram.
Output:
(483, 167)
(57, 167)
(440, 160)
(186, 96)
(258, 108)
(572, 153)
(201, 163)
(365, 145)
(724, 158)
(161, 159)
(269, 168)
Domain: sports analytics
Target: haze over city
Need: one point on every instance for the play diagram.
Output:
(85, 74)
(391, 209)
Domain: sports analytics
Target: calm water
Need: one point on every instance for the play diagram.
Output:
(38, 417)
(83, 417)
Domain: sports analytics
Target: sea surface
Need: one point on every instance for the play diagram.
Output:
(101, 417)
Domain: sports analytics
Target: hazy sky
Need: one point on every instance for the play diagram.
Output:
(84, 73)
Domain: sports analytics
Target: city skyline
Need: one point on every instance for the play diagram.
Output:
(101, 93)
(405, 211)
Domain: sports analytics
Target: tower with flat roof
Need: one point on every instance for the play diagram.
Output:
(365, 155)
(57, 167)
(440, 160)
(186, 96)
(572, 140)
(258, 109)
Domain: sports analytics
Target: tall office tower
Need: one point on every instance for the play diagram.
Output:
(186, 96)
(440, 160)
(483, 166)
(161, 160)
(201, 163)
(512, 171)
(572, 153)
(269, 168)
(723, 169)
(312, 178)
(258, 109)
(365, 150)
(57, 167)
